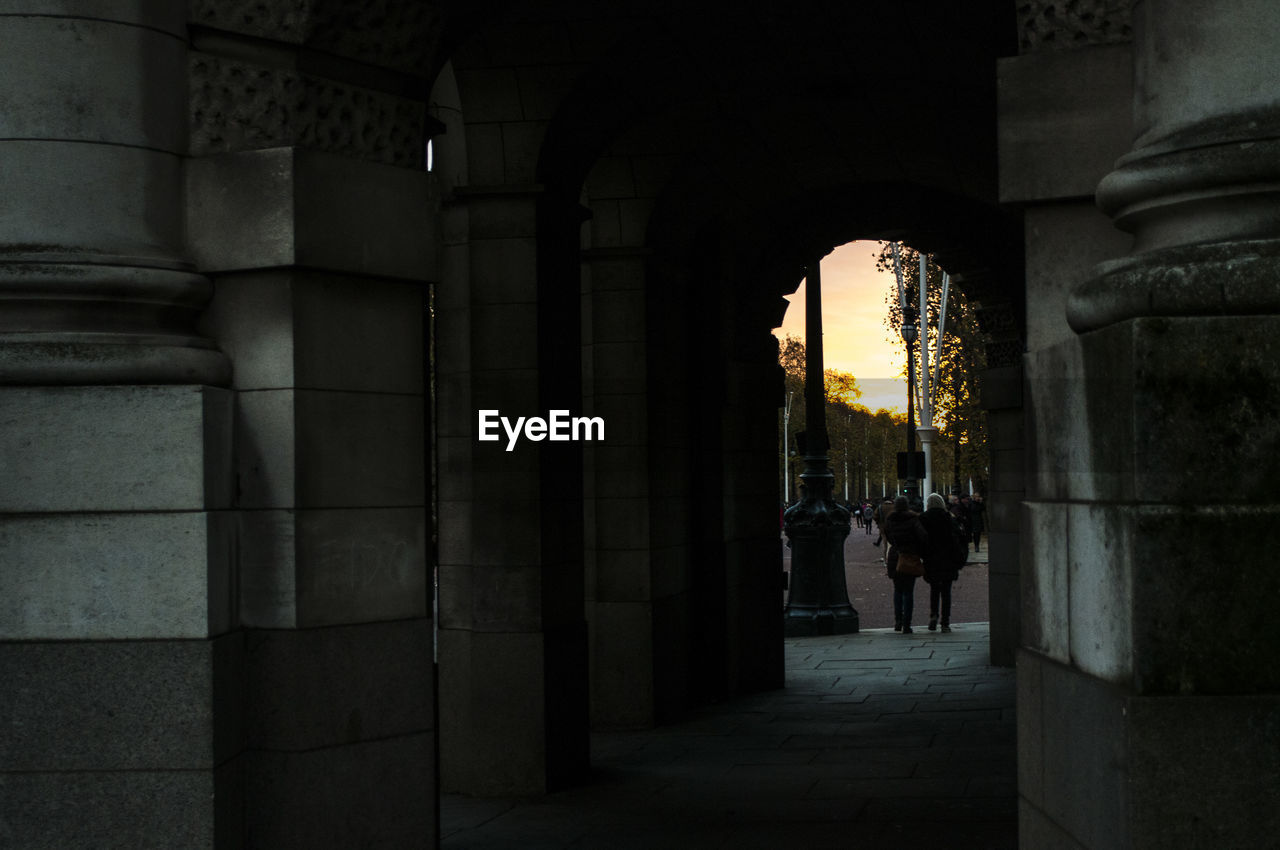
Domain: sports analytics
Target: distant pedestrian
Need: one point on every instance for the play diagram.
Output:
(881, 514)
(942, 559)
(960, 511)
(977, 520)
(907, 537)
(857, 515)
(868, 513)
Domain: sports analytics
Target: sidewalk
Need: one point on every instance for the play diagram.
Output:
(879, 740)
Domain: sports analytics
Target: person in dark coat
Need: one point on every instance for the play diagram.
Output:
(942, 559)
(977, 522)
(904, 532)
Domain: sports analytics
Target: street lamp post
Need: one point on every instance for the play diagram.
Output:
(817, 525)
(909, 332)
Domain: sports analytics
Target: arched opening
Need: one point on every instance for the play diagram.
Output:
(632, 254)
(866, 399)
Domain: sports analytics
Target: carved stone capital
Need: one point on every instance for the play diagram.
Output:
(402, 36)
(1055, 24)
(237, 106)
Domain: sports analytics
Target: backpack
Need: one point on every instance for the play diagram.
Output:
(867, 513)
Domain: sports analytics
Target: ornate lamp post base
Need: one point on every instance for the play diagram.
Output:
(817, 527)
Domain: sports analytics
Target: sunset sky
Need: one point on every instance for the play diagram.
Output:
(856, 339)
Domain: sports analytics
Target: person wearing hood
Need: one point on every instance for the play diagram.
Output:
(906, 536)
(943, 558)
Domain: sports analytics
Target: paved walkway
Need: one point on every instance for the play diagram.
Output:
(880, 740)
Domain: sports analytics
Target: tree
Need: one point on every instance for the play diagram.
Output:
(863, 444)
(960, 359)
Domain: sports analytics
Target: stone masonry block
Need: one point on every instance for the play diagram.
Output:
(314, 449)
(1064, 119)
(70, 189)
(490, 94)
(326, 567)
(1045, 611)
(1030, 720)
(1201, 595)
(506, 337)
(611, 177)
(1064, 242)
(115, 448)
(1101, 590)
(358, 334)
(121, 705)
(620, 367)
(142, 810)
(1078, 433)
(618, 316)
(622, 575)
(492, 712)
(312, 209)
(672, 571)
(116, 576)
(1134, 411)
(610, 273)
(372, 794)
(502, 216)
(606, 224)
(544, 85)
(622, 666)
(634, 216)
(105, 74)
(453, 583)
(313, 688)
(620, 470)
(506, 597)
(627, 521)
(1206, 399)
(1085, 756)
(484, 154)
(625, 418)
(521, 147)
(504, 271)
(1220, 789)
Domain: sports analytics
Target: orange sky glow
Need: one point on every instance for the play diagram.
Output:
(855, 338)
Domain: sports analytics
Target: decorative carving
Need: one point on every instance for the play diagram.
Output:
(238, 106)
(399, 34)
(1058, 24)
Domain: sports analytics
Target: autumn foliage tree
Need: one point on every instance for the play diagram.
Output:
(864, 445)
(960, 454)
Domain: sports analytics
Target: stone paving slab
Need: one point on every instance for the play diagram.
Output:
(879, 739)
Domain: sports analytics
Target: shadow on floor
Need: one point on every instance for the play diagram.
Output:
(879, 740)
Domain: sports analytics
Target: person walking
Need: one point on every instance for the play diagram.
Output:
(977, 522)
(867, 513)
(943, 558)
(960, 512)
(908, 542)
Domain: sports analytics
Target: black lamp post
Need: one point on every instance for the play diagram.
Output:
(817, 525)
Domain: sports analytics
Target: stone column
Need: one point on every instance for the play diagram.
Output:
(95, 287)
(1149, 682)
(120, 710)
(309, 205)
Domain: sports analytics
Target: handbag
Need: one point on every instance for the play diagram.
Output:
(910, 565)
